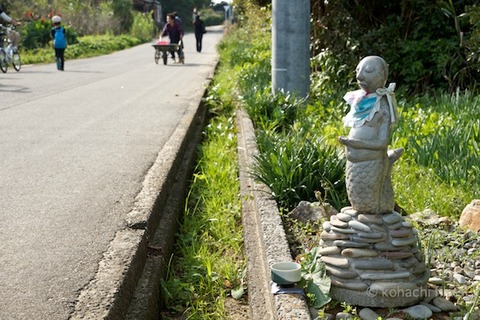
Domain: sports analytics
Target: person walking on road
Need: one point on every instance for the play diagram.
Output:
(59, 42)
(200, 30)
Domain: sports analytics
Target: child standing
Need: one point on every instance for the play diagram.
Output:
(59, 41)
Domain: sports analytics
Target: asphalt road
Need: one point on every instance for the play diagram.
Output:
(75, 147)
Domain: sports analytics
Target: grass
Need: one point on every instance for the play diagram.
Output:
(208, 262)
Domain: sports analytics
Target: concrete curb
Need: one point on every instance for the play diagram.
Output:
(160, 202)
(264, 236)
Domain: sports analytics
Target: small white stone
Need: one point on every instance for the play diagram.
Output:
(459, 278)
(436, 281)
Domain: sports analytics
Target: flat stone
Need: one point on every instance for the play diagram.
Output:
(385, 276)
(359, 253)
(444, 304)
(371, 235)
(384, 246)
(370, 218)
(339, 262)
(418, 312)
(400, 242)
(395, 226)
(431, 307)
(407, 224)
(333, 236)
(436, 281)
(350, 244)
(329, 251)
(343, 316)
(341, 230)
(408, 263)
(349, 211)
(357, 225)
(344, 217)
(379, 228)
(334, 221)
(419, 268)
(366, 240)
(373, 264)
(392, 218)
(368, 314)
(355, 285)
(341, 273)
(401, 233)
(397, 255)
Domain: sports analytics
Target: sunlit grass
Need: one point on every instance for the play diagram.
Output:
(208, 262)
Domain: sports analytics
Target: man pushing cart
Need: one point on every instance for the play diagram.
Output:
(174, 29)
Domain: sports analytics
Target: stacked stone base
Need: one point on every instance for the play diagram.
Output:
(373, 260)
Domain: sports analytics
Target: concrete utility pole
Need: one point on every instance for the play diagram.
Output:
(291, 46)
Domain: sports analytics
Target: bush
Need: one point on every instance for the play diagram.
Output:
(36, 34)
(424, 42)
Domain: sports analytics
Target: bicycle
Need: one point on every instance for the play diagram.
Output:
(9, 40)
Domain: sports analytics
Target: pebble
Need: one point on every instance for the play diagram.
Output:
(431, 307)
(404, 241)
(368, 314)
(376, 264)
(334, 221)
(459, 278)
(343, 315)
(337, 262)
(436, 281)
(350, 244)
(357, 225)
(329, 251)
(392, 218)
(418, 312)
(344, 217)
(359, 253)
(402, 233)
(370, 218)
(444, 304)
(385, 276)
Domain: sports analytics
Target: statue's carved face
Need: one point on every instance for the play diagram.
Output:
(371, 73)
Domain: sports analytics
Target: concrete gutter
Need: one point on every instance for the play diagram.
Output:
(264, 236)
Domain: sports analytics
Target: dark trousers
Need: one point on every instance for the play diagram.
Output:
(198, 38)
(60, 58)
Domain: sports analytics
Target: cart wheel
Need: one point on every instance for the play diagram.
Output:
(165, 57)
(157, 56)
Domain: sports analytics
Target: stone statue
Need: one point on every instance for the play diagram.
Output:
(369, 250)
(372, 115)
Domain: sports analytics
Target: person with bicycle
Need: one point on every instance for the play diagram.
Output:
(5, 17)
(174, 30)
